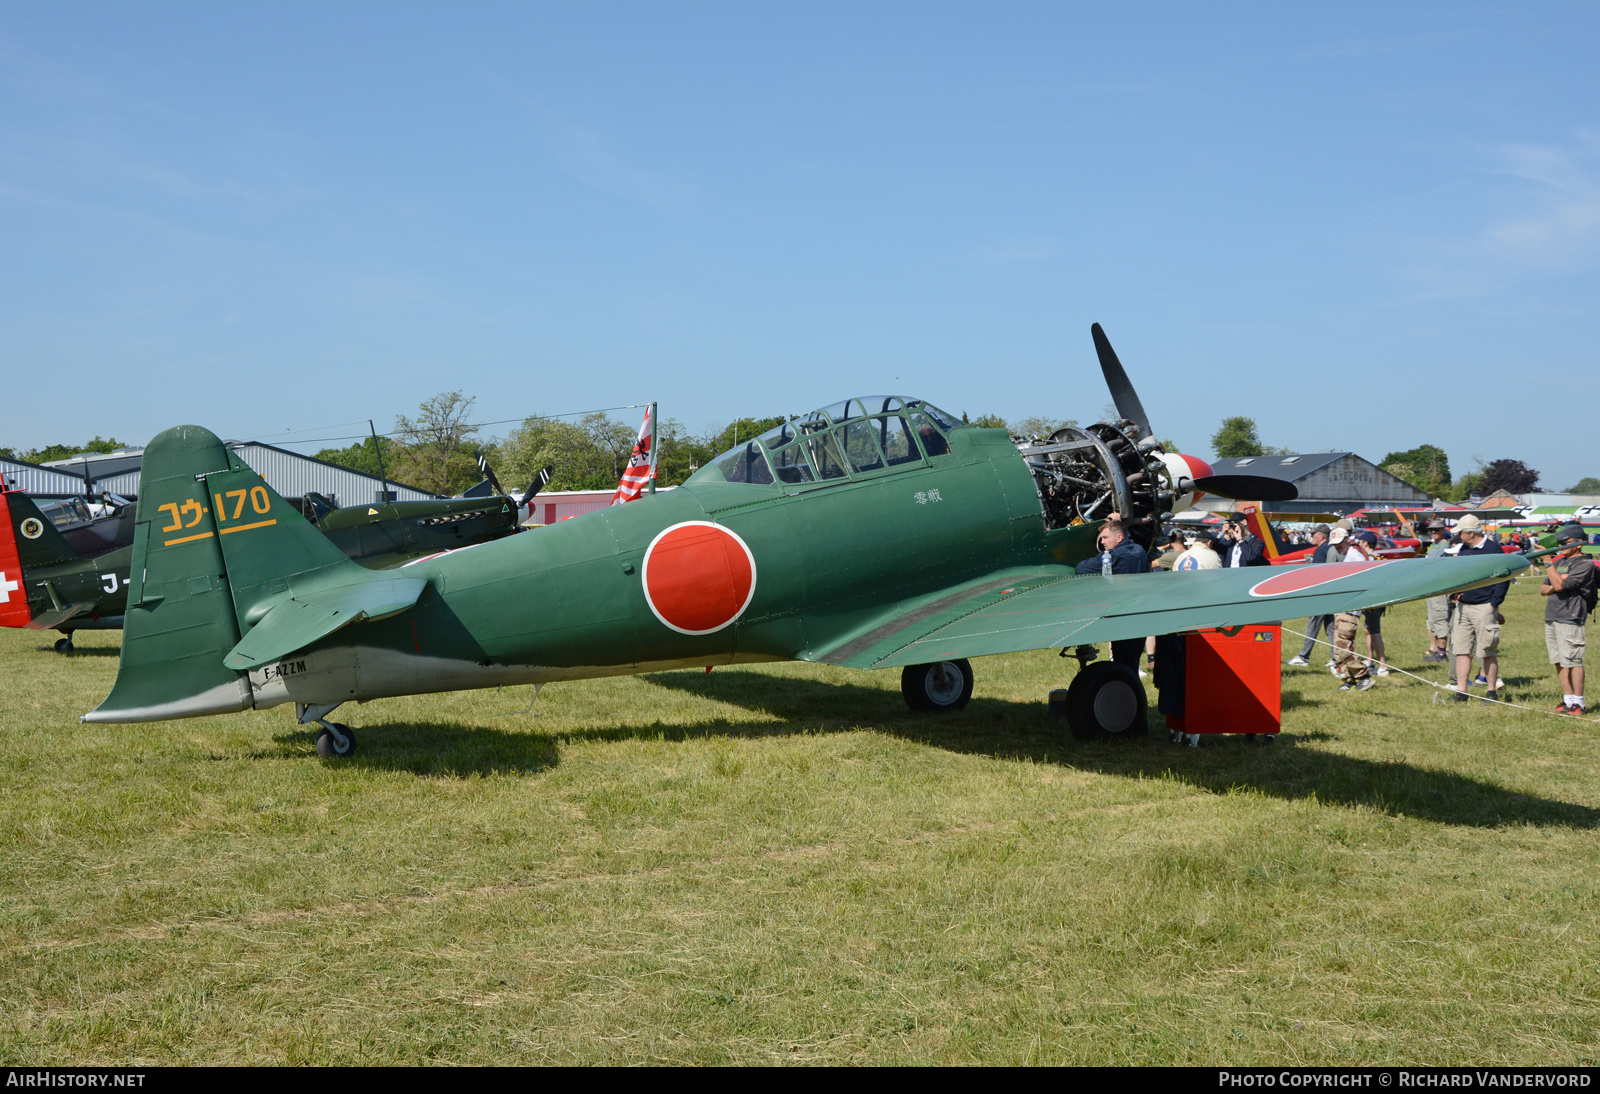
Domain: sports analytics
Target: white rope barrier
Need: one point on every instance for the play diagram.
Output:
(1438, 687)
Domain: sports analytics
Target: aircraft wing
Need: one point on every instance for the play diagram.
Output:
(1049, 606)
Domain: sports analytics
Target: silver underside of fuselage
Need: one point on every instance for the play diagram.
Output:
(362, 673)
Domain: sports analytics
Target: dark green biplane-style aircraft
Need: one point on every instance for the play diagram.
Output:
(75, 577)
(874, 533)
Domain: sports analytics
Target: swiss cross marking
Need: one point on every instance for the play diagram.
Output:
(5, 588)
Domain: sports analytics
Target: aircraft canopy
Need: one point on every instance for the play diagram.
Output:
(850, 438)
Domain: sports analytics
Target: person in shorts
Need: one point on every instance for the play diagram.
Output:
(1475, 627)
(1569, 589)
(1438, 606)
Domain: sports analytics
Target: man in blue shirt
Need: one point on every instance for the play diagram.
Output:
(1118, 555)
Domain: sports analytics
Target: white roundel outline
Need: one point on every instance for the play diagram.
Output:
(33, 528)
(644, 574)
(1370, 564)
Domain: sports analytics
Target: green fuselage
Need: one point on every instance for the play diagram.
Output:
(568, 601)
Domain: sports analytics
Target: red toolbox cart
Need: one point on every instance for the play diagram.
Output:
(1233, 682)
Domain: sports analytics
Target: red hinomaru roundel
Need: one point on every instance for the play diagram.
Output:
(1309, 577)
(698, 577)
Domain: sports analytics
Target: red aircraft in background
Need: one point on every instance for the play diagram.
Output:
(1279, 553)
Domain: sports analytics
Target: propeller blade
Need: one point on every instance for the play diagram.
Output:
(483, 466)
(1248, 487)
(1122, 393)
(540, 481)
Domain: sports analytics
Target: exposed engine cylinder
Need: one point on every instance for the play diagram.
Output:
(1085, 474)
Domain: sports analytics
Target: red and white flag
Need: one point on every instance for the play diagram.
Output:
(641, 464)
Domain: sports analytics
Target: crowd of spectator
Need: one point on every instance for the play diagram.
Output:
(1462, 628)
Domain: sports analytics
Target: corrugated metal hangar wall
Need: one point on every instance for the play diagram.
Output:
(289, 473)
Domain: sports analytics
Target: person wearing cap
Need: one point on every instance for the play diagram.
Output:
(1475, 629)
(1569, 589)
(1438, 606)
(1201, 555)
(1372, 618)
(1346, 663)
(1317, 623)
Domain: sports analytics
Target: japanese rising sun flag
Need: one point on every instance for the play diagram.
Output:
(641, 464)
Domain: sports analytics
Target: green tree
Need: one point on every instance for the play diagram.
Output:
(738, 432)
(579, 463)
(67, 451)
(438, 455)
(1589, 485)
(364, 456)
(1237, 437)
(1426, 467)
(1040, 426)
(988, 421)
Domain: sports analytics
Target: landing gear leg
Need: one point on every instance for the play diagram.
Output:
(64, 645)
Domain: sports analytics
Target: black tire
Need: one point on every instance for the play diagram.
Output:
(940, 686)
(64, 645)
(1106, 702)
(328, 748)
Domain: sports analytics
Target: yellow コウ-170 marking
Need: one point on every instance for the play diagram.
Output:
(260, 501)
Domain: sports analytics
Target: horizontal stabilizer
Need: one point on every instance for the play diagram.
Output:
(52, 619)
(299, 620)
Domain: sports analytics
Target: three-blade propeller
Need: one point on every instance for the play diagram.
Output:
(1233, 486)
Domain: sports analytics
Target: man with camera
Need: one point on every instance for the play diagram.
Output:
(1569, 586)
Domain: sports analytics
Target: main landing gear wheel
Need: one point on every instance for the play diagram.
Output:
(64, 645)
(336, 741)
(1106, 702)
(943, 685)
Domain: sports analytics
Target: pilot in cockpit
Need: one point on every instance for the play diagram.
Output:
(933, 443)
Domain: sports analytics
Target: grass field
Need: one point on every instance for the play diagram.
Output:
(783, 865)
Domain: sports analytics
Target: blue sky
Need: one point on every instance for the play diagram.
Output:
(1366, 226)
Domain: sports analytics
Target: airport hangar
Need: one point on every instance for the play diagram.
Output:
(291, 474)
(1330, 484)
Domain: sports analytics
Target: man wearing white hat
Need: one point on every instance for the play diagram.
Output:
(1347, 624)
(1475, 624)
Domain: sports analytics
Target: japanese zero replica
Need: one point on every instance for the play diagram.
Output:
(875, 533)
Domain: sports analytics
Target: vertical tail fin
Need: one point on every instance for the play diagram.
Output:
(14, 610)
(212, 542)
(38, 543)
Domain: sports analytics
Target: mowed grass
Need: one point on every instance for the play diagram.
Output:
(782, 864)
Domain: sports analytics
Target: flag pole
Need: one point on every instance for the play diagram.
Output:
(655, 443)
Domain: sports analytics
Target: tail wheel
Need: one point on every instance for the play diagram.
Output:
(1106, 702)
(942, 685)
(329, 746)
(64, 645)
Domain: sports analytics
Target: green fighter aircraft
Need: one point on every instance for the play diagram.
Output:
(67, 587)
(874, 533)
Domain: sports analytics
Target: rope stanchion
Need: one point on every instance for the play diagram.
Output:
(1437, 687)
